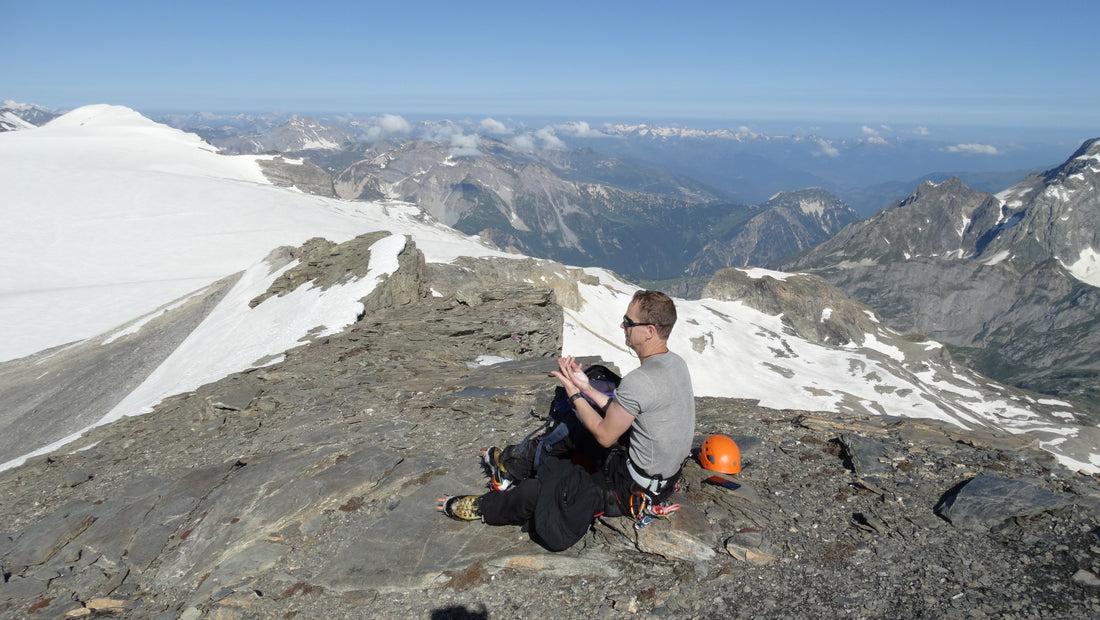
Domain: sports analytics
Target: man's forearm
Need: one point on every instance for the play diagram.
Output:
(606, 428)
(602, 400)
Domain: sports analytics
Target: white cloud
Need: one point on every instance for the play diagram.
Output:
(869, 131)
(827, 148)
(442, 132)
(493, 126)
(465, 146)
(921, 131)
(578, 129)
(973, 149)
(549, 139)
(384, 126)
(524, 143)
(393, 123)
(877, 140)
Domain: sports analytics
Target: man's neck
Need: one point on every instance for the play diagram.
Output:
(655, 347)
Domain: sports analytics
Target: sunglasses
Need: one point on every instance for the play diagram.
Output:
(629, 323)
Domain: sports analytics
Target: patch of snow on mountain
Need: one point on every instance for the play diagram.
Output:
(320, 144)
(1013, 197)
(1087, 267)
(873, 343)
(10, 122)
(755, 360)
(235, 337)
(998, 257)
(757, 273)
(815, 207)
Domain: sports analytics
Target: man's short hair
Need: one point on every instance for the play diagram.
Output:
(657, 308)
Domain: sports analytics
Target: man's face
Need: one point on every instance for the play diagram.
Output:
(634, 334)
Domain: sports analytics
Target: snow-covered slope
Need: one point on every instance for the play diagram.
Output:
(108, 215)
(116, 216)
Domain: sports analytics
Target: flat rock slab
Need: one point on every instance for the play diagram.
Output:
(986, 501)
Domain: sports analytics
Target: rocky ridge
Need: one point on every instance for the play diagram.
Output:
(302, 174)
(790, 222)
(306, 488)
(299, 133)
(520, 203)
(988, 275)
(575, 206)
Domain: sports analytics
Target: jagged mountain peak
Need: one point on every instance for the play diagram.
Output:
(953, 184)
(575, 206)
(1054, 216)
(1089, 148)
(789, 222)
(16, 116)
(937, 219)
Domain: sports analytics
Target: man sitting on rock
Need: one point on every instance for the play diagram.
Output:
(647, 426)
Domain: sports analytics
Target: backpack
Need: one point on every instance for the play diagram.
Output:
(563, 433)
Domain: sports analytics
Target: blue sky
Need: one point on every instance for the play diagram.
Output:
(932, 63)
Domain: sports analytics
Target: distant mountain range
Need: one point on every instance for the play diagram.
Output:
(868, 172)
(578, 206)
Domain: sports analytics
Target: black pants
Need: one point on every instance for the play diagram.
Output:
(515, 506)
(558, 506)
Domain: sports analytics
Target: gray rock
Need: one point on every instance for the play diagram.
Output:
(809, 305)
(752, 547)
(1086, 578)
(867, 455)
(986, 500)
(303, 175)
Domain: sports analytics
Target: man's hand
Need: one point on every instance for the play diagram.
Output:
(578, 376)
(606, 429)
(571, 375)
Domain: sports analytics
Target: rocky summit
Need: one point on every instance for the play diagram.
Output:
(307, 489)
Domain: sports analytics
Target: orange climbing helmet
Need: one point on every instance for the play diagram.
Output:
(721, 454)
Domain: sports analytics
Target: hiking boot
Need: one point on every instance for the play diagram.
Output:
(461, 507)
(499, 479)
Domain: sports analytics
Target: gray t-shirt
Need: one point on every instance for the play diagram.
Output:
(660, 397)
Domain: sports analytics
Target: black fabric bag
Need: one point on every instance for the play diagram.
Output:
(569, 501)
